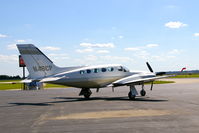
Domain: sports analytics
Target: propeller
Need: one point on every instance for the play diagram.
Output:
(151, 70)
(151, 86)
(149, 67)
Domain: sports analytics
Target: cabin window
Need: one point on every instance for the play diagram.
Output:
(96, 70)
(103, 69)
(82, 72)
(120, 68)
(88, 71)
(110, 69)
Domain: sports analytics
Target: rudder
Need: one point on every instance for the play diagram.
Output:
(38, 64)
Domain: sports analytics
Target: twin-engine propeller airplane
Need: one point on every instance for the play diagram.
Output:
(41, 69)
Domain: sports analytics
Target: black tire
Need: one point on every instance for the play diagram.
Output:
(142, 92)
(131, 97)
(87, 96)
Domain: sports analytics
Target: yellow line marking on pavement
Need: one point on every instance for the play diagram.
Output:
(113, 114)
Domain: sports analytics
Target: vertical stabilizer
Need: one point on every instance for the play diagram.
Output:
(38, 64)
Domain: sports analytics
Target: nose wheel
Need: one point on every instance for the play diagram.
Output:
(142, 92)
(132, 93)
(131, 96)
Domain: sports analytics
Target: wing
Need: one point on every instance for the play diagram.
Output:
(9, 82)
(51, 79)
(18, 82)
(137, 80)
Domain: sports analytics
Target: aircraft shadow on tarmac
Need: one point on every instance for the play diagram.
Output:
(78, 99)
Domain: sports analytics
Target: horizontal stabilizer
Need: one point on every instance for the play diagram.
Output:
(18, 82)
(26, 81)
(51, 79)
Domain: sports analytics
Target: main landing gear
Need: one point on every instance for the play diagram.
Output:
(133, 92)
(86, 92)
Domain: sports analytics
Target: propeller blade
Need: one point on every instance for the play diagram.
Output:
(151, 86)
(149, 67)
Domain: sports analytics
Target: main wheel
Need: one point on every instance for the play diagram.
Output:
(142, 92)
(131, 97)
(87, 94)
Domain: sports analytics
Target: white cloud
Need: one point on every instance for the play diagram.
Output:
(85, 60)
(20, 41)
(143, 54)
(87, 50)
(196, 34)
(116, 58)
(91, 47)
(152, 45)
(50, 48)
(175, 51)
(120, 37)
(162, 57)
(112, 38)
(103, 51)
(8, 58)
(104, 59)
(3, 36)
(141, 48)
(58, 56)
(53, 54)
(91, 58)
(12, 47)
(175, 25)
(98, 45)
(132, 49)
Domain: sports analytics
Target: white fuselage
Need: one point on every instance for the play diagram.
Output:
(93, 76)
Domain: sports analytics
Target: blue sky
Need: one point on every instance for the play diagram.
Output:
(91, 32)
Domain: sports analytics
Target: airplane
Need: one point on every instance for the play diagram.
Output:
(42, 70)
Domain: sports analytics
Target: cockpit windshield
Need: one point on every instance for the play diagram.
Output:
(125, 69)
(122, 68)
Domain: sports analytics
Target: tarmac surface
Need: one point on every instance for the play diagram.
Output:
(172, 108)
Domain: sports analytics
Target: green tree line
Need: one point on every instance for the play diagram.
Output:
(6, 77)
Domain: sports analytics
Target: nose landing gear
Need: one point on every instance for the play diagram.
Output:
(142, 92)
(132, 93)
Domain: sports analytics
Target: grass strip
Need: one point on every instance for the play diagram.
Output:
(161, 82)
(186, 76)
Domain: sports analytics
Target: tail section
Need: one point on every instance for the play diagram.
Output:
(38, 64)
